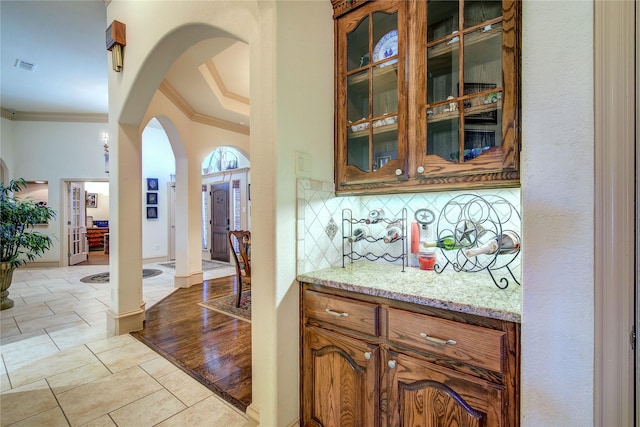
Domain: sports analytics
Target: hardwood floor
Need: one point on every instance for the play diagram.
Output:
(96, 258)
(213, 348)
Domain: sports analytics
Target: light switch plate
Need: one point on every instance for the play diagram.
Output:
(303, 164)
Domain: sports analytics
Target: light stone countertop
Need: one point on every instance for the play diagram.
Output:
(473, 293)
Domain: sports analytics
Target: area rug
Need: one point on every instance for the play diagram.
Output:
(227, 305)
(206, 264)
(104, 277)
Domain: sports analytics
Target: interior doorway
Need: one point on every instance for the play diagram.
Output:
(77, 234)
(85, 225)
(219, 221)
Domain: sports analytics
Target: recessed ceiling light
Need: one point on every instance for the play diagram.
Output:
(24, 65)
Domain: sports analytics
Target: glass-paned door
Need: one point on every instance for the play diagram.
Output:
(77, 224)
(372, 92)
(464, 78)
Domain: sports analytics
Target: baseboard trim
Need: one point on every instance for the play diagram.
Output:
(42, 264)
(154, 260)
(123, 323)
(188, 280)
(253, 415)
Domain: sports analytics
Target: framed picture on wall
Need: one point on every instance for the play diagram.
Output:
(152, 212)
(152, 198)
(92, 200)
(152, 184)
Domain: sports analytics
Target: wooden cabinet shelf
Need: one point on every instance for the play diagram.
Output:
(447, 46)
(376, 130)
(449, 115)
(382, 74)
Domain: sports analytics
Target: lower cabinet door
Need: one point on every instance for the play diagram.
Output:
(420, 393)
(339, 380)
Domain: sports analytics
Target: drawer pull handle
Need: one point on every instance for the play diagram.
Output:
(335, 313)
(392, 364)
(437, 340)
(367, 355)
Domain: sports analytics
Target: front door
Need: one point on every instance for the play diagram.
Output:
(220, 222)
(77, 224)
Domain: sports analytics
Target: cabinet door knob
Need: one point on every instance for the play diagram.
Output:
(392, 364)
(437, 340)
(420, 169)
(367, 355)
(398, 172)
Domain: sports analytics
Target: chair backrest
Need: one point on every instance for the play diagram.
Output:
(240, 243)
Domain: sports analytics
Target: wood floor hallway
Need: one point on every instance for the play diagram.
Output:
(212, 347)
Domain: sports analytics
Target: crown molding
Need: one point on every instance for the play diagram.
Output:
(166, 88)
(173, 96)
(223, 124)
(211, 67)
(25, 116)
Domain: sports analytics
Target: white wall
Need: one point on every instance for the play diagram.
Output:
(558, 224)
(53, 152)
(159, 162)
(6, 148)
(100, 212)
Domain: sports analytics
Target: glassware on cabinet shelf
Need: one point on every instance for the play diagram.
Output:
(372, 82)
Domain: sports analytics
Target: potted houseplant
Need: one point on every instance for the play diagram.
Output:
(19, 241)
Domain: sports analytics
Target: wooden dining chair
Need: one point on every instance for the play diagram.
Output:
(240, 244)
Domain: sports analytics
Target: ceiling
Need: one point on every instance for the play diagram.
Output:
(65, 43)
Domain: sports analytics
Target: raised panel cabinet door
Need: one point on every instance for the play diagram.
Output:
(339, 380)
(423, 394)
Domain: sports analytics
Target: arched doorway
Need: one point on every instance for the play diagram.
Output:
(225, 199)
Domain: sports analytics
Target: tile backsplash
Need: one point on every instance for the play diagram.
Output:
(320, 218)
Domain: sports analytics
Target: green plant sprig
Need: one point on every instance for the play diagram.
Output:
(18, 240)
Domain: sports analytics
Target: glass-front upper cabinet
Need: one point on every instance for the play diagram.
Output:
(427, 95)
(370, 101)
(469, 91)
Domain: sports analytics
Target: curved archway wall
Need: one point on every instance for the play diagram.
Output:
(191, 143)
(291, 110)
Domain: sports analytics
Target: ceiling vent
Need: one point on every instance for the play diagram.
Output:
(24, 65)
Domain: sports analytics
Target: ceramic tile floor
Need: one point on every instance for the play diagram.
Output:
(59, 368)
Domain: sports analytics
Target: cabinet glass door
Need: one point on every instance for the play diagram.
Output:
(463, 79)
(372, 92)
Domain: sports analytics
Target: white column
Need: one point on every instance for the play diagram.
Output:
(188, 222)
(126, 308)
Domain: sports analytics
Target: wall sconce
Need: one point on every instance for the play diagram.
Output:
(115, 42)
(105, 139)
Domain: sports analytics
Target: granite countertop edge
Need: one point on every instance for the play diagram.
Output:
(392, 283)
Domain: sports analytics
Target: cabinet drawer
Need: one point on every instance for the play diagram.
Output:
(342, 312)
(474, 345)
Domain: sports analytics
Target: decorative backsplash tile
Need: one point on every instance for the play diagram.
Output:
(320, 218)
(331, 229)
